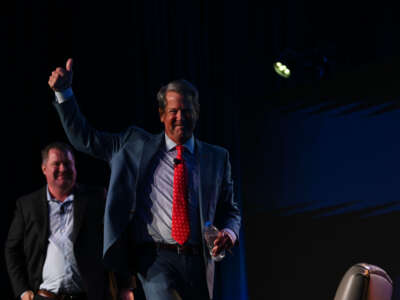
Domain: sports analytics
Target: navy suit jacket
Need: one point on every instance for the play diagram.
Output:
(129, 154)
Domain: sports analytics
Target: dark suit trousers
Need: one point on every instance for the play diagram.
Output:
(165, 274)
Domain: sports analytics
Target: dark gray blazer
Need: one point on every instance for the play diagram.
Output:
(27, 240)
(129, 154)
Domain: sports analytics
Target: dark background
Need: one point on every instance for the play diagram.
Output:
(315, 159)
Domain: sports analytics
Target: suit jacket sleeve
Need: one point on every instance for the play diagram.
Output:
(14, 254)
(84, 137)
(228, 212)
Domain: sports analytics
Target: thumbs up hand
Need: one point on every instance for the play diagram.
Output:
(61, 79)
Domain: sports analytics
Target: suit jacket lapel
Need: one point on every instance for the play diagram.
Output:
(40, 211)
(80, 204)
(150, 148)
(204, 177)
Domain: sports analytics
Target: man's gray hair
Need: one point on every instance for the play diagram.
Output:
(183, 87)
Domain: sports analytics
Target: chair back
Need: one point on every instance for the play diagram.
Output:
(365, 282)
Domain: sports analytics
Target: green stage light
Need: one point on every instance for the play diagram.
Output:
(281, 69)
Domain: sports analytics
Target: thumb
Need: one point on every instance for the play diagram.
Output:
(68, 65)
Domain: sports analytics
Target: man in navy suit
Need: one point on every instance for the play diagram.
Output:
(141, 192)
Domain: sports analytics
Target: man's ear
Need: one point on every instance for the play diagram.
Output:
(162, 115)
(43, 167)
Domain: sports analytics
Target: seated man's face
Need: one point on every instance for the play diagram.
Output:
(179, 117)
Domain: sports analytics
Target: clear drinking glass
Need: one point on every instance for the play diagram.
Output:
(210, 234)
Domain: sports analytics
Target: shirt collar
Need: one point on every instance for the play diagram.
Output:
(51, 198)
(189, 145)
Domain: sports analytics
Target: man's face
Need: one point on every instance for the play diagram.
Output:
(59, 170)
(179, 117)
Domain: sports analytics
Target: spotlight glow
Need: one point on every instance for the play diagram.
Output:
(282, 70)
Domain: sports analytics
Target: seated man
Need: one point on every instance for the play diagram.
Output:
(54, 246)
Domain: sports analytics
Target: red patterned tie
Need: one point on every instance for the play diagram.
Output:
(180, 218)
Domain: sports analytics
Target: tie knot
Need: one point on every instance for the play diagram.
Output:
(179, 149)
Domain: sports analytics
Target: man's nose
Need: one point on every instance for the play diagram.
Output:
(180, 115)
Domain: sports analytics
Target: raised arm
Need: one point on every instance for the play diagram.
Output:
(80, 133)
